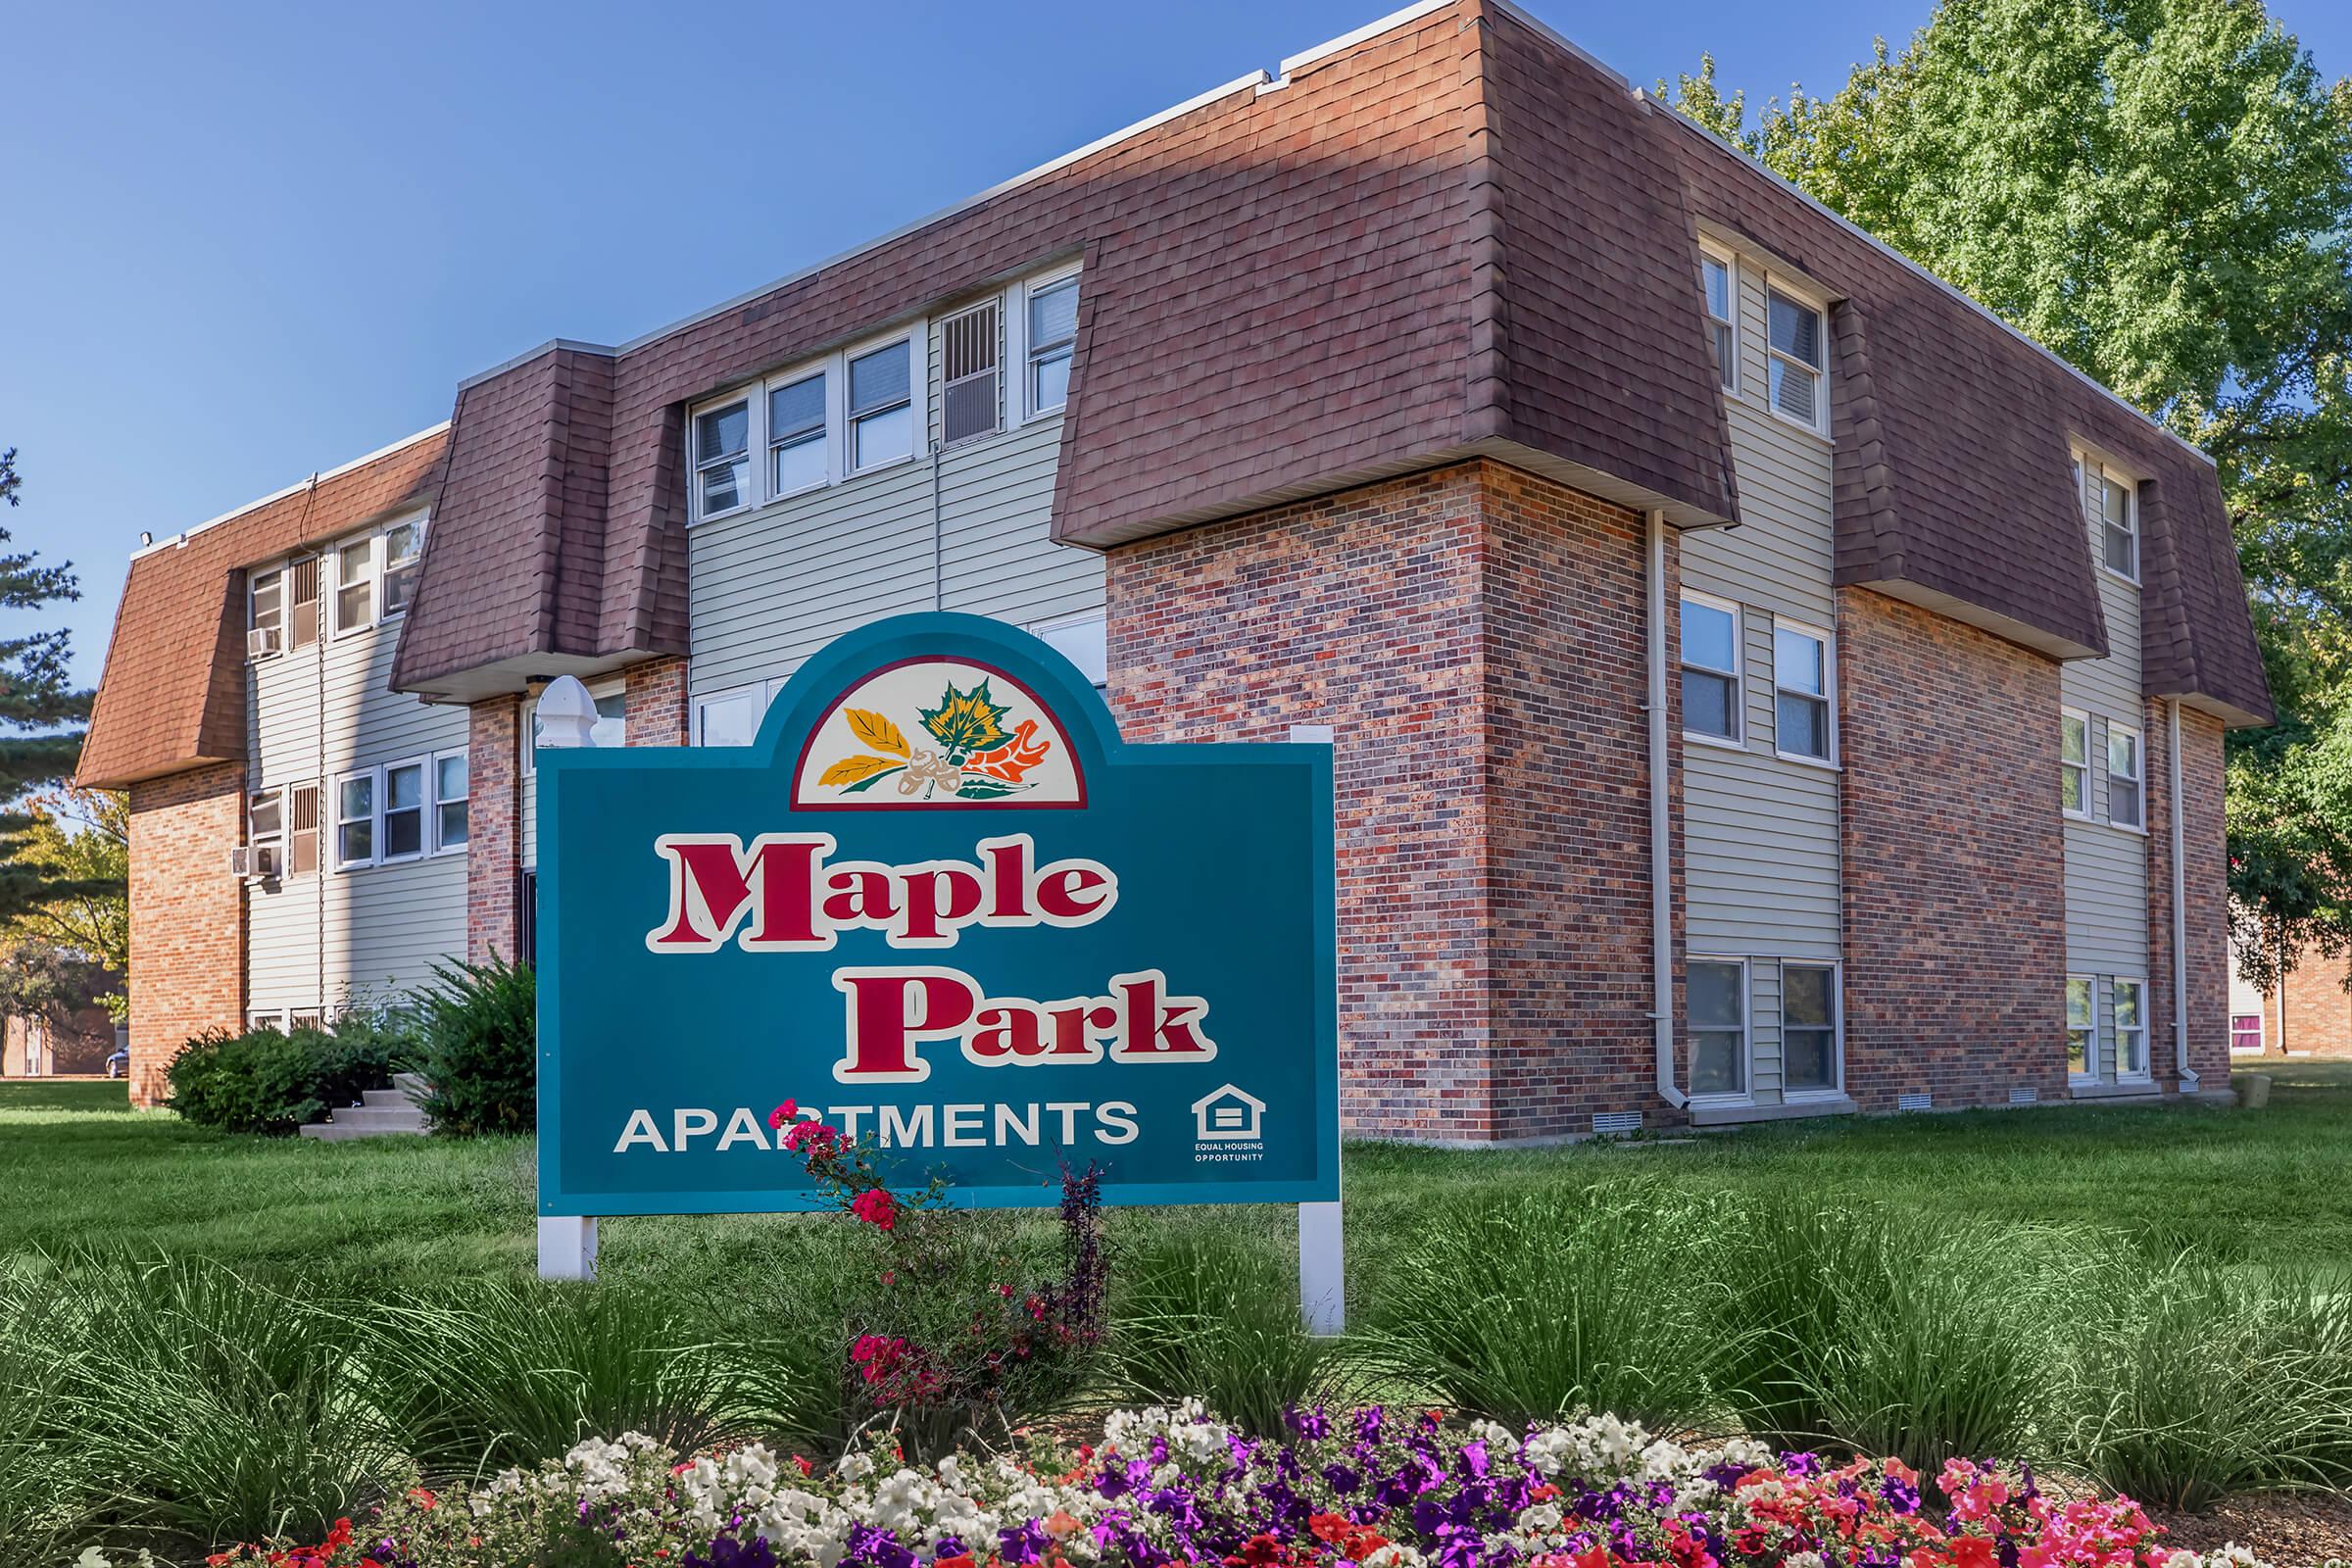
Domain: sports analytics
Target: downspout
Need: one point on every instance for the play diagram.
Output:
(1662, 864)
(2172, 748)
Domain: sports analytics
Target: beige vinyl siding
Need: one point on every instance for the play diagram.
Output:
(2107, 866)
(1760, 833)
(319, 939)
(768, 589)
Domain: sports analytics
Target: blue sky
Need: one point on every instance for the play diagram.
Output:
(245, 242)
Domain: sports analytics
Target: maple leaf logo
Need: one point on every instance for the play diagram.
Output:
(964, 722)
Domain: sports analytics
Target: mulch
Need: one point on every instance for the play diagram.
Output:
(2291, 1529)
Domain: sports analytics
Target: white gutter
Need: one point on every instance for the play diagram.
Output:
(1662, 864)
(2171, 747)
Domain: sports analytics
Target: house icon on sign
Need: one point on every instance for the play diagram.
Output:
(1227, 1115)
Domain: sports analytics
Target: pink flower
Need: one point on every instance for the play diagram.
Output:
(783, 1113)
(876, 1207)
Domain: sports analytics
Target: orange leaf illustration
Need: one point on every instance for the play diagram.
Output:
(1014, 758)
(875, 730)
(852, 769)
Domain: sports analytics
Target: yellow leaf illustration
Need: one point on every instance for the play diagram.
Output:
(876, 732)
(852, 769)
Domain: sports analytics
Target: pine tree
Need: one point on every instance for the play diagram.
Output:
(41, 716)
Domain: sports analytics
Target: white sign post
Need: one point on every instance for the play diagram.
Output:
(1322, 1241)
(567, 715)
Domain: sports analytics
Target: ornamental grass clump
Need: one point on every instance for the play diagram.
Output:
(1212, 1312)
(1556, 1301)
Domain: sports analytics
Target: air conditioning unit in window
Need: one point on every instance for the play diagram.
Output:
(254, 862)
(261, 640)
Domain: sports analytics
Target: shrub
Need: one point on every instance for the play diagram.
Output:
(478, 1050)
(1210, 1314)
(1788, 1269)
(264, 1081)
(1549, 1302)
(505, 1375)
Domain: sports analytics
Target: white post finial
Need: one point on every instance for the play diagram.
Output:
(567, 712)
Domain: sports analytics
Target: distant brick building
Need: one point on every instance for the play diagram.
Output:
(1763, 684)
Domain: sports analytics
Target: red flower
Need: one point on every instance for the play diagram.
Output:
(1972, 1551)
(876, 1207)
(783, 1113)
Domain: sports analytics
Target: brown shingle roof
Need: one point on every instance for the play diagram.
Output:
(1454, 233)
(173, 692)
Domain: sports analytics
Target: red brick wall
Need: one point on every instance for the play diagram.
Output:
(1473, 637)
(494, 845)
(656, 699)
(2319, 1009)
(2206, 883)
(1361, 612)
(1567, 768)
(187, 917)
(1955, 904)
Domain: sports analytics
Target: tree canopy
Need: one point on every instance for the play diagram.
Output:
(2160, 191)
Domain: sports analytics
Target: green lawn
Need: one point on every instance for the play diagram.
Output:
(80, 1172)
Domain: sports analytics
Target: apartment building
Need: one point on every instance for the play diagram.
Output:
(1763, 684)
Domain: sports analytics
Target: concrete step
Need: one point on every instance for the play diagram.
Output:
(390, 1099)
(408, 1084)
(381, 1118)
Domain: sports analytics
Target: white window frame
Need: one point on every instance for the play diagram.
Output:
(296, 1016)
(279, 575)
(1737, 740)
(1725, 327)
(753, 399)
(318, 830)
(1836, 1085)
(434, 801)
(423, 809)
(280, 796)
(1827, 696)
(2089, 812)
(2138, 779)
(1820, 424)
(1056, 634)
(266, 1018)
(336, 822)
(1018, 348)
(2147, 1069)
(916, 337)
(2090, 1045)
(1746, 1093)
(768, 489)
(332, 586)
(2090, 470)
(384, 568)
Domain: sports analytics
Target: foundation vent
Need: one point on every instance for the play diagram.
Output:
(1915, 1102)
(2024, 1096)
(1610, 1123)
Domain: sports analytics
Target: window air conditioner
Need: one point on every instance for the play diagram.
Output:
(261, 640)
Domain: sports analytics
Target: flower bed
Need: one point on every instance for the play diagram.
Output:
(1379, 1487)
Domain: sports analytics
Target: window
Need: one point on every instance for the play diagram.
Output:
(1053, 338)
(404, 545)
(2074, 762)
(2079, 1026)
(722, 461)
(2130, 1029)
(355, 585)
(881, 407)
(404, 812)
(1715, 1002)
(1711, 669)
(1797, 359)
(302, 627)
(1808, 1028)
(449, 789)
(302, 835)
(796, 435)
(355, 820)
(2124, 804)
(266, 611)
(303, 1018)
(2111, 502)
(1082, 643)
(967, 342)
(266, 820)
(1720, 321)
(266, 1018)
(2245, 1031)
(1801, 678)
(730, 719)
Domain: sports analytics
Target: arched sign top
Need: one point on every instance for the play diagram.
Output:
(938, 732)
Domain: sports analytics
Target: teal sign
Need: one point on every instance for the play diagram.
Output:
(941, 905)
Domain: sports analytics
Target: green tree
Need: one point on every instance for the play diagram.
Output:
(41, 714)
(2161, 193)
(79, 843)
